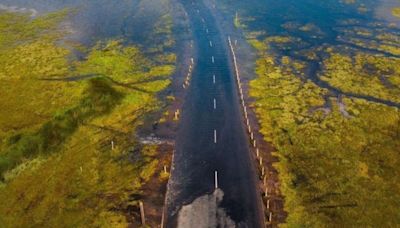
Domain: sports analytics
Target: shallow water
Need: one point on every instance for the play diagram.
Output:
(95, 20)
(314, 26)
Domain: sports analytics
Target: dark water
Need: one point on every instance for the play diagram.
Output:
(197, 156)
(329, 20)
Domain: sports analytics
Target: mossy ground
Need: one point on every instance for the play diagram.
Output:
(58, 117)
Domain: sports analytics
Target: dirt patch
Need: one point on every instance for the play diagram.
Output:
(154, 191)
(205, 212)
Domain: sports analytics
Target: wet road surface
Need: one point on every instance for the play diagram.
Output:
(211, 135)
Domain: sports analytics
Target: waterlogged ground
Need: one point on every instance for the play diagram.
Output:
(76, 80)
(327, 95)
(93, 20)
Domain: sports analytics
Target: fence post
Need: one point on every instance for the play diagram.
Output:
(142, 213)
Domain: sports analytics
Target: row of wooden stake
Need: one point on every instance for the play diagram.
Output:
(253, 141)
(186, 83)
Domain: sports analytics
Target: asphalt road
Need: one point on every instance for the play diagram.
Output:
(211, 135)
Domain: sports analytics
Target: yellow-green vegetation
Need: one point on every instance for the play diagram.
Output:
(335, 170)
(364, 74)
(326, 95)
(58, 117)
(373, 38)
(396, 12)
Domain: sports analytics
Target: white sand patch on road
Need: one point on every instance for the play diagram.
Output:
(204, 212)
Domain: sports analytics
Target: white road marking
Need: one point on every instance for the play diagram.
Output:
(215, 103)
(216, 179)
(214, 78)
(207, 31)
(215, 136)
(211, 44)
(212, 59)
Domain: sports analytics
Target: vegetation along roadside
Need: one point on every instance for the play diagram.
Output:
(68, 152)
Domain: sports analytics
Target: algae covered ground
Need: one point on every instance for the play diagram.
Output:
(327, 97)
(62, 104)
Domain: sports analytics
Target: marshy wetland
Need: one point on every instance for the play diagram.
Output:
(76, 80)
(327, 96)
(79, 78)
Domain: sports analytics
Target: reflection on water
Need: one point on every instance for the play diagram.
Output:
(15, 9)
(290, 16)
(384, 11)
(307, 30)
(97, 19)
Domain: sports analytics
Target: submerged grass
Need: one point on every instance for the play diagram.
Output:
(56, 163)
(338, 154)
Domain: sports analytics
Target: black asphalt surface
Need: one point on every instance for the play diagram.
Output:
(196, 155)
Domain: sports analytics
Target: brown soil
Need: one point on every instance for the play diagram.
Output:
(154, 192)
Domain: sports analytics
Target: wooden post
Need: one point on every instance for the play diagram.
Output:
(165, 169)
(267, 204)
(162, 219)
(112, 145)
(142, 213)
